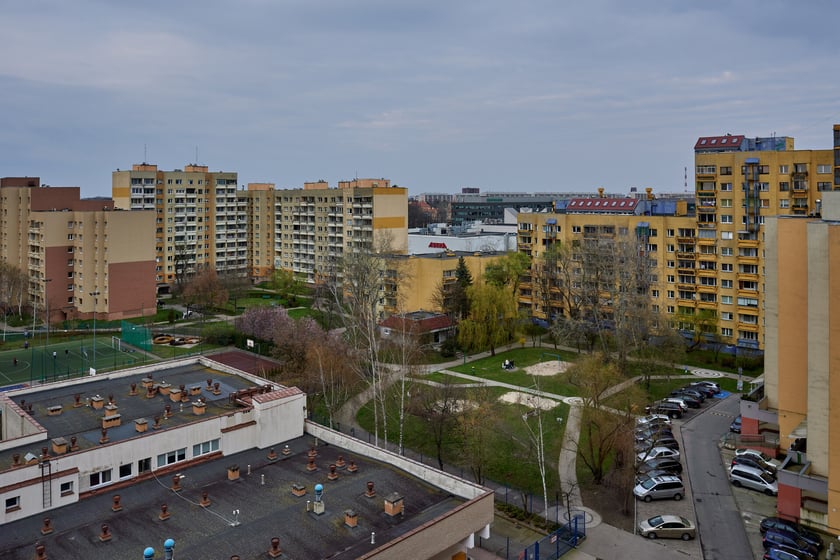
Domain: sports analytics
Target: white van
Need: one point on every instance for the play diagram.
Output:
(749, 477)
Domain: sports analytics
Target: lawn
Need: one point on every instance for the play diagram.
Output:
(439, 377)
(510, 459)
(491, 368)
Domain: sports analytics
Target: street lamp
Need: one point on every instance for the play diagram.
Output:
(47, 322)
(95, 295)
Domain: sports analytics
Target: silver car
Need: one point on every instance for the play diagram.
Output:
(668, 527)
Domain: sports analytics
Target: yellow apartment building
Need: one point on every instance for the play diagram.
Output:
(200, 222)
(81, 255)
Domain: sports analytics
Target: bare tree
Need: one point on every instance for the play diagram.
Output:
(438, 405)
(206, 289)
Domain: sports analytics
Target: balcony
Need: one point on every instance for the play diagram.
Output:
(706, 225)
(683, 254)
(707, 304)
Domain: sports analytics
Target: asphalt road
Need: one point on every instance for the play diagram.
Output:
(719, 524)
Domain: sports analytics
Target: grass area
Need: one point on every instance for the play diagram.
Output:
(491, 368)
(510, 451)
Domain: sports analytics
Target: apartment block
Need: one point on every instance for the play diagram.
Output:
(201, 222)
(796, 401)
(81, 255)
(662, 230)
(740, 182)
(315, 225)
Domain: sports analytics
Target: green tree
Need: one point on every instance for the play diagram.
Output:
(492, 318)
(507, 271)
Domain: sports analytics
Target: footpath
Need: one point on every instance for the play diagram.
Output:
(509, 539)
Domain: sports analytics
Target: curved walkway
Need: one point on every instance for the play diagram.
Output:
(605, 539)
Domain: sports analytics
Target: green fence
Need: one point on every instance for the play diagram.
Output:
(136, 335)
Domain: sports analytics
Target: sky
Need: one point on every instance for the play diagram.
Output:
(435, 95)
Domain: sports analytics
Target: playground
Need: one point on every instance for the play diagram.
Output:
(40, 361)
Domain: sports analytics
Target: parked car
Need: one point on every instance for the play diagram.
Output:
(698, 392)
(671, 466)
(735, 426)
(709, 384)
(678, 401)
(687, 398)
(653, 473)
(775, 523)
(758, 456)
(756, 479)
(653, 419)
(775, 538)
(659, 488)
(656, 452)
(672, 410)
(667, 526)
(782, 552)
(750, 462)
(651, 433)
(666, 441)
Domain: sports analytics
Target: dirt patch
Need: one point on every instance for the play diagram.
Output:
(547, 368)
(459, 405)
(606, 501)
(515, 397)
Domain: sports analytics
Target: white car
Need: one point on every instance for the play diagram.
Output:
(759, 457)
(658, 452)
(653, 419)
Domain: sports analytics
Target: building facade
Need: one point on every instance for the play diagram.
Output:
(200, 222)
(82, 256)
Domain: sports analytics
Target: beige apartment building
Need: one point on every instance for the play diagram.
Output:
(200, 221)
(81, 255)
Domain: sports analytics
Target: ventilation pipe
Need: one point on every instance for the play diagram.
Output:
(169, 549)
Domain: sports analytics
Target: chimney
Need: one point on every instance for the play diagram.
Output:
(352, 468)
(105, 533)
(47, 527)
(371, 491)
(175, 395)
(74, 446)
(77, 400)
(351, 518)
(97, 402)
(40, 552)
(340, 463)
(272, 455)
(298, 489)
(116, 506)
(311, 465)
(394, 504)
(233, 472)
(205, 500)
(274, 551)
(600, 192)
(133, 391)
(332, 475)
(104, 439)
(199, 407)
(164, 512)
(59, 446)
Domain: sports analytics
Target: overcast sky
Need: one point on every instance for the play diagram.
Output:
(435, 95)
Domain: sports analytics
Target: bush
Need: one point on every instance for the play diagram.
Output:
(220, 334)
(449, 347)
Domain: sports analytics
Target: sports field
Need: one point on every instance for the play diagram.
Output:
(62, 359)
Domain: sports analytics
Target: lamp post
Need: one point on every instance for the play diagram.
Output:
(95, 295)
(47, 323)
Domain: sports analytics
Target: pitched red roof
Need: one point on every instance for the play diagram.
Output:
(602, 205)
(416, 325)
(728, 141)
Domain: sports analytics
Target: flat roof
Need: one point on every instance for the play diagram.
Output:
(263, 499)
(85, 422)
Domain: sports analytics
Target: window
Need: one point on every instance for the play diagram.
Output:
(823, 169)
(575, 229)
(172, 457)
(748, 335)
(726, 300)
(670, 309)
(706, 169)
(670, 294)
(670, 278)
(670, 248)
(669, 233)
(726, 235)
(784, 203)
(726, 316)
(125, 470)
(726, 267)
(726, 203)
(823, 186)
(784, 169)
(66, 488)
(725, 331)
(784, 186)
(654, 293)
(726, 187)
(726, 251)
(725, 170)
(670, 264)
(747, 302)
(144, 465)
(100, 478)
(726, 283)
(12, 504)
(206, 447)
(726, 218)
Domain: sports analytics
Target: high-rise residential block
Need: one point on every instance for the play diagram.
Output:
(81, 255)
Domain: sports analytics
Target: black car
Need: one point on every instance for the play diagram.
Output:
(735, 426)
(672, 466)
(776, 523)
(673, 410)
(782, 552)
(750, 462)
(652, 436)
(689, 399)
(772, 538)
(696, 392)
